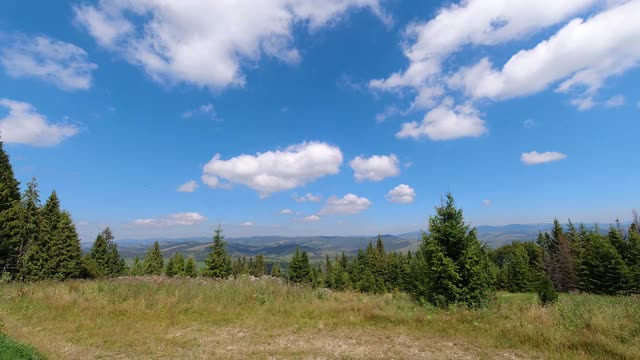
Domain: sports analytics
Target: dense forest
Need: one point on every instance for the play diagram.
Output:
(39, 242)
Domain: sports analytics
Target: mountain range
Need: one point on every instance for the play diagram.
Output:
(281, 247)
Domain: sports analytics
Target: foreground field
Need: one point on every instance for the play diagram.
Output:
(162, 318)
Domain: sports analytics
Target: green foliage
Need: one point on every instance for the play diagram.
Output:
(137, 268)
(275, 270)
(190, 268)
(175, 266)
(259, 268)
(103, 260)
(454, 267)
(153, 261)
(218, 262)
(602, 270)
(299, 268)
(546, 290)
(9, 215)
(33, 259)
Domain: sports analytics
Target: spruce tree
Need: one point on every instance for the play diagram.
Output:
(299, 269)
(190, 268)
(218, 262)
(67, 250)
(136, 269)
(10, 215)
(276, 271)
(259, 267)
(32, 256)
(175, 266)
(103, 260)
(456, 266)
(602, 270)
(633, 262)
(153, 261)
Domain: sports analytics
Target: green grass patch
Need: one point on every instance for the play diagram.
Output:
(12, 350)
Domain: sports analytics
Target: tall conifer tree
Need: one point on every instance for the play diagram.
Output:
(218, 262)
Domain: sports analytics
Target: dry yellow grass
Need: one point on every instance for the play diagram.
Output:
(162, 318)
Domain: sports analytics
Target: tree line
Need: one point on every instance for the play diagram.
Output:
(451, 265)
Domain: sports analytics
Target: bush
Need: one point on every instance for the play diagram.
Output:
(547, 293)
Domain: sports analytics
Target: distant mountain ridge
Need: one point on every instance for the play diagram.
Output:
(281, 247)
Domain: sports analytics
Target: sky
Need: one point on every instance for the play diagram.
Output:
(166, 118)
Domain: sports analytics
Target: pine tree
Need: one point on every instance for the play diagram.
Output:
(10, 215)
(103, 260)
(32, 256)
(153, 261)
(67, 250)
(633, 262)
(602, 270)
(218, 262)
(275, 270)
(137, 268)
(259, 267)
(190, 268)
(455, 266)
(175, 266)
(51, 242)
(299, 269)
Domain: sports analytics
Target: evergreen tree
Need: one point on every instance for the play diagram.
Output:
(456, 267)
(190, 268)
(10, 215)
(67, 250)
(136, 269)
(546, 290)
(153, 261)
(558, 259)
(218, 262)
(633, 262)
(299, 269)
(32, 256)
(275, 270)
(175, 266)
(259, 267)
(602, 270)
(103, 260)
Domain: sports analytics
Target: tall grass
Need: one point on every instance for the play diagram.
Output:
(158, 317)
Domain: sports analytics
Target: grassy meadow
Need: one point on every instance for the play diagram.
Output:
(169, 318)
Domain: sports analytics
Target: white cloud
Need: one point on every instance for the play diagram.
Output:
(535, 158)
(310, 218)
(375, 168)
(615, 101)
(189, 186)
(24, 125)
(487, 202)
(582, 55)
(445, 123)
(208, 43)
(401, 194)
(389, 111)
(277, 170)
(286, 212)
(473, 22)
(577, 59)
(59, 63)
(247, 224)
(180, 219)
(309, 197)
(349, 204)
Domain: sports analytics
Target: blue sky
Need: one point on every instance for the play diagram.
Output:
(165, 118)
